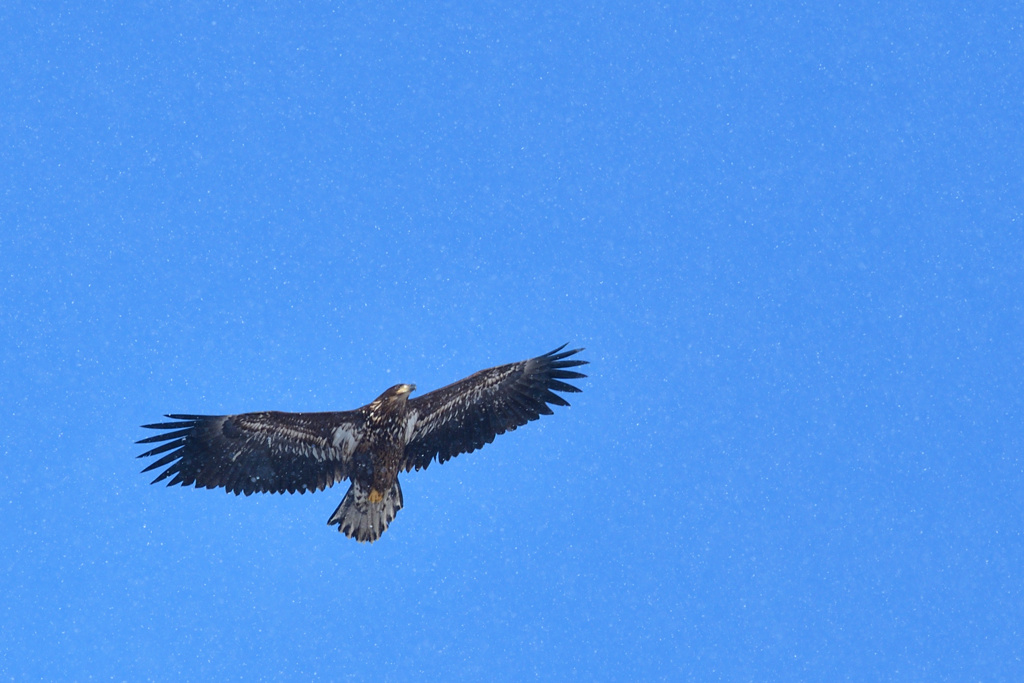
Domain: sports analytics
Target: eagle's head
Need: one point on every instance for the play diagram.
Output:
(398, 393)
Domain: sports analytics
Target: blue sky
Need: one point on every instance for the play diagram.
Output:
(789, 237)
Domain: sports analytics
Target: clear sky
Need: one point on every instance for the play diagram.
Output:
(788, 235)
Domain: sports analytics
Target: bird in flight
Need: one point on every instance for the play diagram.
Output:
(274, 452)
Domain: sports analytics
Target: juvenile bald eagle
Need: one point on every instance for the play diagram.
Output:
(274, 452)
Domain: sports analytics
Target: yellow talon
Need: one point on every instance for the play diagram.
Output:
(376, 496)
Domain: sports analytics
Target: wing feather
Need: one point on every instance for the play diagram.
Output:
(256, 452)
(463, 416)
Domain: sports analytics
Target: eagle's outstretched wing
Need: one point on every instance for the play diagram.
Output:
(257, 452)
(463, 416)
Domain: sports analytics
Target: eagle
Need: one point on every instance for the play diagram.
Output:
(274, 452)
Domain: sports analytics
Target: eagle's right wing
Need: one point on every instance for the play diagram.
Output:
(463, 416)
(257, 452)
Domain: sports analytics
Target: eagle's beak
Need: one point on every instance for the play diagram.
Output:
(409, 388)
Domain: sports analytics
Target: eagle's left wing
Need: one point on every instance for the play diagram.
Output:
(257, 452)
(463, 416)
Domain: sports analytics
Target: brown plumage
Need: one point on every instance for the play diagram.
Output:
(274, 452)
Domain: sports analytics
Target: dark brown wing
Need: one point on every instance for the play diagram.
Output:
(257, 452)
(464, 416)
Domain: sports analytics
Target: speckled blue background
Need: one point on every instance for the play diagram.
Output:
(788, 235)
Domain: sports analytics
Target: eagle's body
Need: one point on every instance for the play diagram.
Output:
(277, 452)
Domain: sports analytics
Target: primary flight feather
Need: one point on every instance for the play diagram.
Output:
(274, 452)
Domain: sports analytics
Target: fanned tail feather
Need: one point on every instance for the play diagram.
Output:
(360, 518)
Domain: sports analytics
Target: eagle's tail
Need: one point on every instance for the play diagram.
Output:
(364, 513)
